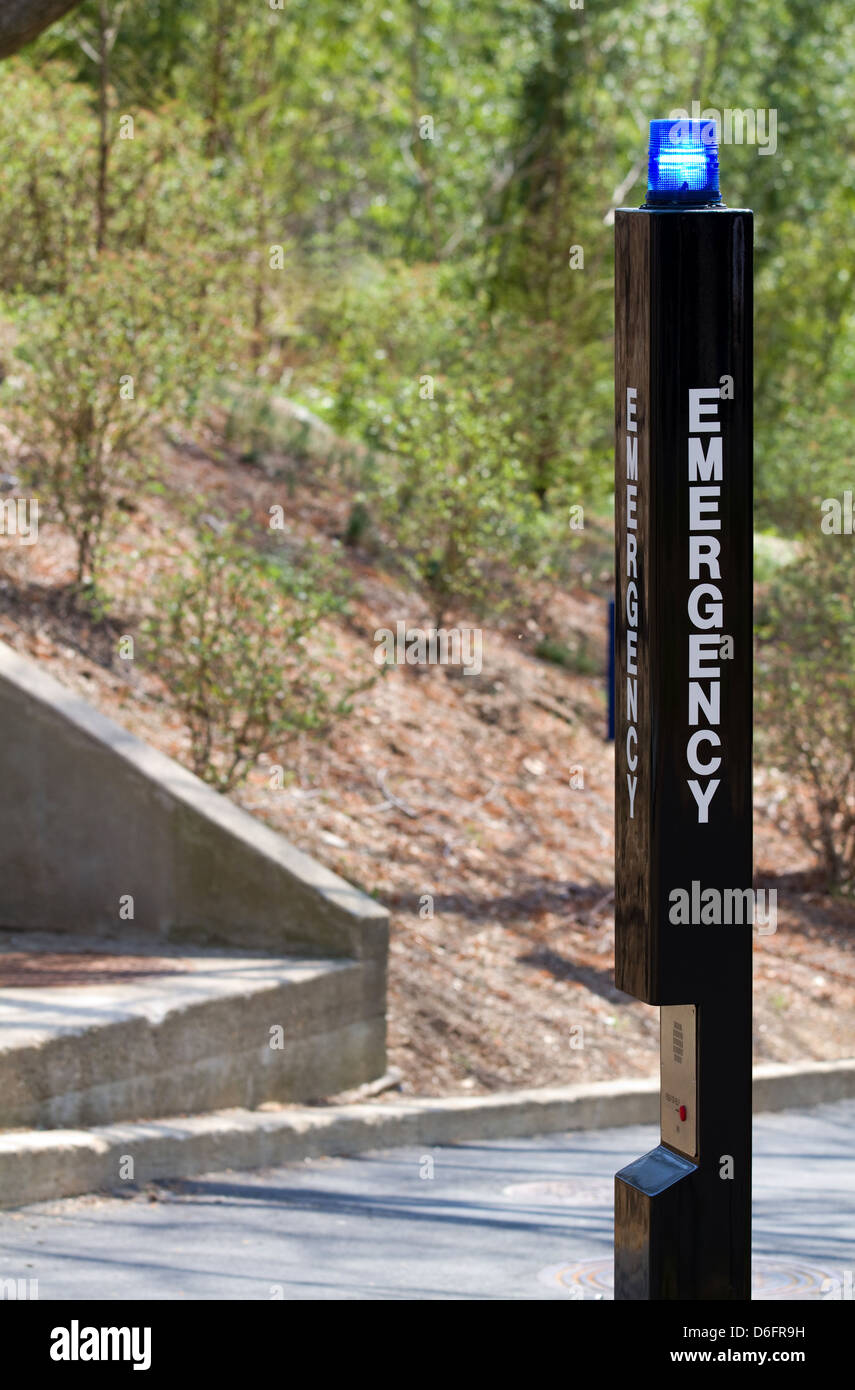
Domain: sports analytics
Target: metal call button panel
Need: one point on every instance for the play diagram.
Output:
(678, 1099)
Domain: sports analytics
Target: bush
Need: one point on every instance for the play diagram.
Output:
(396, 329)
(577, 658)
(456, 502)
(159, 195)
(47, 136)
(806, 695)
(229, 638)
(118, 352)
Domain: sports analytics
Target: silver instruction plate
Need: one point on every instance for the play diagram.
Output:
(678, 1098)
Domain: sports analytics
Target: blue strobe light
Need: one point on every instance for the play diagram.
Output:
(683, 164)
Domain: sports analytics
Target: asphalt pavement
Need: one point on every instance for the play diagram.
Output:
(505, 1219)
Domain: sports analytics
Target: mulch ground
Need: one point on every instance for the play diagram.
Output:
(477, 807)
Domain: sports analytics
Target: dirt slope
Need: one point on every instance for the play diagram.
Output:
(477, 807)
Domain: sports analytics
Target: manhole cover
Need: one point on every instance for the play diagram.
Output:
(570, 1192)
(788, 1279)
(770, 1278)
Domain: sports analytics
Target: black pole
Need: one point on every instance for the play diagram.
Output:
(683, 331)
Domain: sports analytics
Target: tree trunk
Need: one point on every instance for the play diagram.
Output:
(21, 21)
(103, 125)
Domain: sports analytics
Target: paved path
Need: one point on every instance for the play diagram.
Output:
(379, 1226)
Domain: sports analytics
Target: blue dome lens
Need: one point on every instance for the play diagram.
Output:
(683, 164)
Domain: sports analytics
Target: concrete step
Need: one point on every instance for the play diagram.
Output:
(96, 1034)
(41, 1165)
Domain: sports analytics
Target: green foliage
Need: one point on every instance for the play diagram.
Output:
(160, 195)
(806, 696)
(455, 502)
(464, 152)
(425, 169)
(770, 553)
(48, 179)
(577, 658)
(403, 333)
(100, 365)
(358, 523)
(229, 637)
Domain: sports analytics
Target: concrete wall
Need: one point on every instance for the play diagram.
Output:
(187, 1043)
(89, 814)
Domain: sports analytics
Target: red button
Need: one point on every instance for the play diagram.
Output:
(682, 1112)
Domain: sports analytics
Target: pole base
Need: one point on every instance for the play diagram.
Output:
(661, 1207)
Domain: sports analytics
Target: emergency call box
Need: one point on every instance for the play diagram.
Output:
(683, 712)
(683, 626)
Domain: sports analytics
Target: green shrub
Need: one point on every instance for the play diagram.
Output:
(806, 696)
(455, 502)
(229, 638)
(101, 364)
(577, 658)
